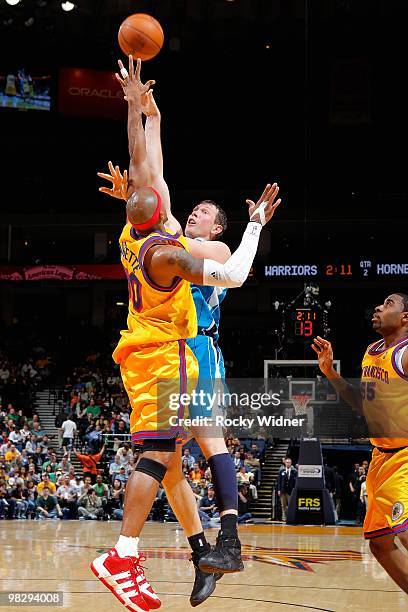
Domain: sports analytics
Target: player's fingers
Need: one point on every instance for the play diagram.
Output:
(131, 67)
(250, 203)
(318, 343)
(105, 190)
(316, 350)
(110, 166)
(150, 84)
(125, 175)
(121, 81)
(138, 67)
(108, 177)
(273, 192)
(264, 193)
(324, 342)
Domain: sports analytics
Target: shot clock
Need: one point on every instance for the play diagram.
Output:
(306, 322)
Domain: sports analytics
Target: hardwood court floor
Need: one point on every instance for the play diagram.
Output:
(287, 568)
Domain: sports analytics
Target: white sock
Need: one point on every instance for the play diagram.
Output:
(126, 546)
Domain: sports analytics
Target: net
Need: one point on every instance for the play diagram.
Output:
(300, 403)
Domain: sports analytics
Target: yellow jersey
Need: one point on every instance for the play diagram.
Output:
(156, 314)
(384, 389)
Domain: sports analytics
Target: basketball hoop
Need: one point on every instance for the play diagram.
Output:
(300, 403)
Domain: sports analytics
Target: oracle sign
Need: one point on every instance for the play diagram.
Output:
(90, 93)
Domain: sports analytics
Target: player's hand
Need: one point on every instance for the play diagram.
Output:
(149, 106)
(324, 351)
(264, 209)
(132, 86)
(119, 182)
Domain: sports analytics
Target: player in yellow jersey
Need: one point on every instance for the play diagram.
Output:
(152, 349)
(383, 399)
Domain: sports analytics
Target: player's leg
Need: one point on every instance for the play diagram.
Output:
(120, 568)
(181, 499)
(226, 556)
(391, 558)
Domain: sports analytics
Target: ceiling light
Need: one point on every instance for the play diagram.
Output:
(12, 2)
(67, 6)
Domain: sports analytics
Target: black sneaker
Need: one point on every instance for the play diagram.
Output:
(225, 557)
(204, 583)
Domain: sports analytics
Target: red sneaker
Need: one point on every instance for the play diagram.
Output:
(124, 576)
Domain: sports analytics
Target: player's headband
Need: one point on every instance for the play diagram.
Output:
(155, 216)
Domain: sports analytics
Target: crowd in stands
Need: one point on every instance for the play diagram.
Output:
(93, 425)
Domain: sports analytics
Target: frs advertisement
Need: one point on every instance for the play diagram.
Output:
(90, 93)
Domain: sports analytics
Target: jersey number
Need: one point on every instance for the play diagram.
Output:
(135, 292)
(367, 391)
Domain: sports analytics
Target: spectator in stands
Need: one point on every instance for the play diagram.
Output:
(238, 462)
(93, 409)
(101, 489)
(196, 474)
(209, 504)
(159, 504)
(122, 476)
(256, 453)
(90, 506)
(68, 429)
(286, 483)
(7, 503)
(114, 467)
(339, 491)
(355, 488)
(87, 486)
(187, 456)
(25, 433)
(12, 455)
(37, 431)
(18, 494)
(32, 474)
(125, 454)
(90, 463)
(47, 505)
(244, 516)
(67, 496)
(52, 462)
(16, 438)
(254, 466)
(46, 483)
(116, 498)
(30, 497)
(94, 438)
(64, 465)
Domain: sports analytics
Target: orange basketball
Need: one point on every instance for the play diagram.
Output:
(141, 35)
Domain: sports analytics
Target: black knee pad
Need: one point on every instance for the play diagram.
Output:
(152, 468)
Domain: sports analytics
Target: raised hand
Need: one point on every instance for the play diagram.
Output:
(324, 351)
(149, 106)
(132, 86)
(264, 209)
(119, 182)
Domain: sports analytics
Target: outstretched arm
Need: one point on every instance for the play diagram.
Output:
(164, 263)
(350, 394)
(155, 157)
(133, 88)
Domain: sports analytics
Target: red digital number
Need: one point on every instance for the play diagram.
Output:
(308, 329)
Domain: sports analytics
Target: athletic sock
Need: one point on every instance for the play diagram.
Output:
(229, 524)
(198, 543)
(127, 546)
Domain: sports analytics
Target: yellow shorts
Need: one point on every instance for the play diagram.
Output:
(387, 491)
(153, 376)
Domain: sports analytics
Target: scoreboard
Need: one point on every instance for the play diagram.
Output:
(338, 269)
(305, 322)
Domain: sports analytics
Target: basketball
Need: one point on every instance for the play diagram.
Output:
(141, 36)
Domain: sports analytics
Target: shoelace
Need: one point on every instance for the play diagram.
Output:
(137, 569)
